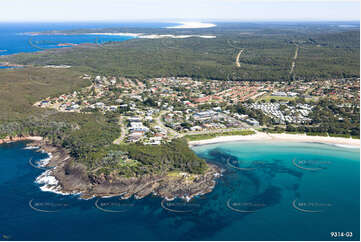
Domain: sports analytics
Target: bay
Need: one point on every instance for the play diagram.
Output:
(268, 191)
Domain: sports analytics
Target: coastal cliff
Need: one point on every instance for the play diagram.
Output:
(66, 176)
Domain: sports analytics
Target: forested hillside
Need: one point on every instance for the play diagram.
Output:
(267, 54)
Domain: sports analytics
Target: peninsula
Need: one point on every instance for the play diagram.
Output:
(126, 177)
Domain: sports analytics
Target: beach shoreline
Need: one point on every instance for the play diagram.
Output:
(61, 177)
(267, 137)
(8, 139)
(132, 35)
(154, 36)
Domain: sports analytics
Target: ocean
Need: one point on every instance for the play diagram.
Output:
(14, 37)
(268, 191)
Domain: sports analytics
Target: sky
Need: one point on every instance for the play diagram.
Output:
(177, 10)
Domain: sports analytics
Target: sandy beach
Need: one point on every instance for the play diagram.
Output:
(156, 36)
(14, 139)
(259, 136)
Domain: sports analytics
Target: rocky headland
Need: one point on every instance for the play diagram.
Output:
(64, 175)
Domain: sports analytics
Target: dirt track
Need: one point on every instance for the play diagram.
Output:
(293, 64)
(237, 58)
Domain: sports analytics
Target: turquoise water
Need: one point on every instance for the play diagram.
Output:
(282, 191)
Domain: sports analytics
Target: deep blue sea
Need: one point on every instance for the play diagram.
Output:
(14, 38)
(268, 191)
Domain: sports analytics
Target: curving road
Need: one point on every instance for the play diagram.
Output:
(123, 132)
(159, 122)
(237, 58)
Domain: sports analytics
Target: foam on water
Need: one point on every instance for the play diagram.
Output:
(44, 162)
(346, 146)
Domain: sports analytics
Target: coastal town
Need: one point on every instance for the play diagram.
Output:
(181, 120)
(157, 110)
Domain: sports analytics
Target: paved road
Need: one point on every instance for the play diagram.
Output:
(160, 123)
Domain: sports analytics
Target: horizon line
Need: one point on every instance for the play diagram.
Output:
(180, 20)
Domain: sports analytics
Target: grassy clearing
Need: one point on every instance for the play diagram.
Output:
(214, 135)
